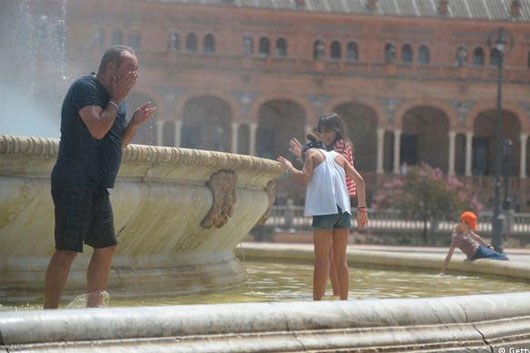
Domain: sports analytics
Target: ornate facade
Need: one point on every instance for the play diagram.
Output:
(415, 80)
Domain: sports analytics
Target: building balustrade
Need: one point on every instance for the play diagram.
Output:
(291, 218)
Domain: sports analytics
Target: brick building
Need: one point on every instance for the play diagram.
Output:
(415, 80)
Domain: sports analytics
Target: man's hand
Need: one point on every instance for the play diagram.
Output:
(362, 219)
(121, 86)
(142, 114)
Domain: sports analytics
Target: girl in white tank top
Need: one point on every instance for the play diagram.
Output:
(327, 200)
(327, 188)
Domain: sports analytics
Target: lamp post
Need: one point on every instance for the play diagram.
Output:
(498, 218)
(507, 201)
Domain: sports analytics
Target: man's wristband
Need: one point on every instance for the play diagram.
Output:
(114, 105)
(361, 209)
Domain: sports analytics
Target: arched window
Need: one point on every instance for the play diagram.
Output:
(352, 53)
(173, 41)
(335, 50)
(406, 54)
(423, 55)
(390, 53)
(495, 57)
(281, 48)
(248, 46)
(168, 134)
(100, 37)
(208, 44)
(191, 43)
(461, 56)
(478, 57)
(319, 50)
(264, 46)
(133, 40)
(117, 37)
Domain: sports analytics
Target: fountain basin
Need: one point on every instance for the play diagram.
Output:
(482, 323)
(178, 212)
(471, 323)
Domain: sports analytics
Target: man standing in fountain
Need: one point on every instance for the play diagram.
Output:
(93, 133)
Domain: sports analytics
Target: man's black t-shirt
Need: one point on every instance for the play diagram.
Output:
(84, 160)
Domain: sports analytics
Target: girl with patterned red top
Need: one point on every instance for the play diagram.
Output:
(334, 130)
(331, 130)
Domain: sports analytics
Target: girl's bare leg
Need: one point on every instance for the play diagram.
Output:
(333, 272)
(340, 240)
(322, 243)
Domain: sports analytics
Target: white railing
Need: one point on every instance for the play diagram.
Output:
(292, 217)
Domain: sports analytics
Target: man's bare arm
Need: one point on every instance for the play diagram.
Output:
(98, 120)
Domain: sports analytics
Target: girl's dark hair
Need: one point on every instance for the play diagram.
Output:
(333, 122)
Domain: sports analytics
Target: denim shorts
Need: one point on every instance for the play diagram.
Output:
(340, 220)
(82, 215)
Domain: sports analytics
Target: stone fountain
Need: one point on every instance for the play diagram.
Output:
(178, 213)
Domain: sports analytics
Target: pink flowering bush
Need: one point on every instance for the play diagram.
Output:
(425, 193)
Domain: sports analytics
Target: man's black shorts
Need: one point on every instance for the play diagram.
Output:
(82, 214)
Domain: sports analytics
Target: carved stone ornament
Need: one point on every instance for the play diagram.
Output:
(270, 190)
(223, 186)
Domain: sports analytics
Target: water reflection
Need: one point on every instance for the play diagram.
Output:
(287, 282)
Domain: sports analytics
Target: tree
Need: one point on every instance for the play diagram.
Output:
(424, 193)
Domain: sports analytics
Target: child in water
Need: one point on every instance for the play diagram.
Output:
(469, 242)
(332, 131)
(327, 200)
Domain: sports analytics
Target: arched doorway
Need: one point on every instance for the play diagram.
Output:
(361, 122)
(146, 133)
(484, 132)
(425, 137)
(206, 124)
(278, 122)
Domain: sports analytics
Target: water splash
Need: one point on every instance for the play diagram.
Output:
(33, 51)
(81, 301)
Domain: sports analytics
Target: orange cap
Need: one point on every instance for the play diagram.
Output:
(470, 219)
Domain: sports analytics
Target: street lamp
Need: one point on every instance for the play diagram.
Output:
(507, 202)
(498, 45)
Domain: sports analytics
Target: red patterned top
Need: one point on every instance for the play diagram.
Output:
(346, 150)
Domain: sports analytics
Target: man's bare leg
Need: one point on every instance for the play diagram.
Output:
(97, 274)
(56, 276)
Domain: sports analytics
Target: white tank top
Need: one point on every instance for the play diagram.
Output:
(327, 188)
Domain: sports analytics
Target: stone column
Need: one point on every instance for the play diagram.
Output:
(235, 135)
(452, 137)
(380, 150)
(522, 165)
(308, 130)
(469, 146)
(178, 128)
(252, 138)
(397, 149)
(159, 132)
